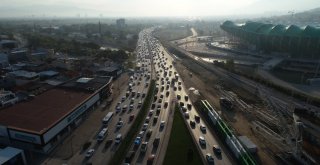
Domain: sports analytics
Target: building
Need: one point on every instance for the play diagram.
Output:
(121, 23)
(23, 77)
(48, 74)
(298, 42)
(4, 61)
(19, 55)
(7, 98)
(8, 44)
(114, 72)
(12, 156)
(41, 123)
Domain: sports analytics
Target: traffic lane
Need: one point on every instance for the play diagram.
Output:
(93, 139)
(197, 132)
(210, 139)
(138, 157)
(113, 122)
(161, 133)
(142, 158)
(207, 135)
(76, 160)
(123, 131)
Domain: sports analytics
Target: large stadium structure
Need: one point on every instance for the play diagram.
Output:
(299, 42)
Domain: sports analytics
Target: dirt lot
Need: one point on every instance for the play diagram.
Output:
(205, 82)
(75, 141)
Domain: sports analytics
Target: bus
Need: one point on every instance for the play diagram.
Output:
(102, 134)
(107, 118)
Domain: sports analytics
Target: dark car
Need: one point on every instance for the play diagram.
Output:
(197, 118)
(216, 149)
(192, 123)
(131, 117)
(149, 133)
(156, 142)
(150, 159)
(129, 156)
(108, 143)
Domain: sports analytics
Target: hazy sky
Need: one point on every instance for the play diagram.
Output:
(132, 8)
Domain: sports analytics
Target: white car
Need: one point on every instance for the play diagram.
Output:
(162, 124)
(118, 138)
(89, 153)
(144, 127)
(119, 124)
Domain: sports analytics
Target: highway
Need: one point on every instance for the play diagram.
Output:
(139, 81)
(195, 131)
(168, 79)
(161, 109)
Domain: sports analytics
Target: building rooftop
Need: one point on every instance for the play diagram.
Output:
(108, 69)
(43, 111)
(23, 73)
(48, 73)
(8, 153)
(47, 109)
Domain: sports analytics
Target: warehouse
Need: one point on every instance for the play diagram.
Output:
(41, 123)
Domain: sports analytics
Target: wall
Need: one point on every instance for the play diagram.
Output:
(70, 118)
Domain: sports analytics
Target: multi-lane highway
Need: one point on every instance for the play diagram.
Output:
(125, 109)
(153, 62)
(170, 89)
(151, 140)
(195, 130)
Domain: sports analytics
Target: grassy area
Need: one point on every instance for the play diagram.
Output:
(173, 33)
(181, 144)
(128, 140)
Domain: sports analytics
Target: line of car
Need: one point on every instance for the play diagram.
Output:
(128, 106)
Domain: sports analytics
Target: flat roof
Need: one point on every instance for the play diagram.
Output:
(47, 109)
(44, 111)
(8, 153)
(23, 73)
